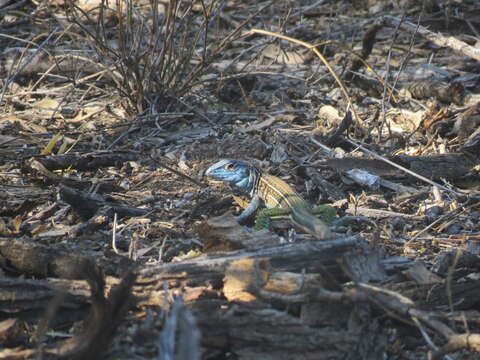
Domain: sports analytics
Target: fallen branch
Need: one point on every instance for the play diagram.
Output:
(440, 40)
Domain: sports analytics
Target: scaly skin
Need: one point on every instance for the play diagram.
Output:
(272, 191)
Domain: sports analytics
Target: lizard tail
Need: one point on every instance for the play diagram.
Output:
(311, 224)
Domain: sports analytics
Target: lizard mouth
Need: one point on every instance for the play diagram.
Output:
(215, 181)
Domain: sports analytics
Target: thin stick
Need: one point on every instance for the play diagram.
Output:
(114, 234)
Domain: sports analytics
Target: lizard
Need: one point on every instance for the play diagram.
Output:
(268, 190)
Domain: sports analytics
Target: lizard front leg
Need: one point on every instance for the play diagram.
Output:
(249, 210)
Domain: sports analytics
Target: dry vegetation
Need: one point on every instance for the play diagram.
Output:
(113, 245)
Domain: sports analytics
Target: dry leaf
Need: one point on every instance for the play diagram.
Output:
(401, 120)
(26, 126)
(17, 222)
(281, 56)
(47, 106)
(239, 277)
(51, 144)
(328, 115)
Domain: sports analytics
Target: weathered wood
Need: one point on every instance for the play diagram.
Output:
(87, 204)
(450, 166)
(23, 256)
(18, 294)
(12, 333)
(102, 322)
(265, 333)
(40, 301)
(438, 39)
(87, 162)
(313, 256)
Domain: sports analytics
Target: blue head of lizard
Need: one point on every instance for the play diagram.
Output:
(238, 174)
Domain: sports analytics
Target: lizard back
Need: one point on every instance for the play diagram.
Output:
(277, 193)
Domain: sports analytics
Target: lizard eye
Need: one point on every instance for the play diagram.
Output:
(230, 167)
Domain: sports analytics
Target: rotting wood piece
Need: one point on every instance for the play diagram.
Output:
(450, 166)
(87, 162)
(105, 315)
(15, 200)
(98, 327)
(27, 300)
(313, 256)
(252, 332)
(22, 256)
(463, 295)
(88, 204)
(364, 265)
(37, 169)
(29, 259)
(18, 294)
(396, 306)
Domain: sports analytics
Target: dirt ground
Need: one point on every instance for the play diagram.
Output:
(115, 245)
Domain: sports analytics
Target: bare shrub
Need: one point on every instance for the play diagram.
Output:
(154, 54)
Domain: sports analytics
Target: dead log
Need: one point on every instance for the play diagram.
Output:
(26, 257)
(105, 315)
(450, 166)
(98, 327)
(260, 331)
(313, 256)
(438, 39)
(87, 162)
(87, 204)
(26, 295)
(266, 333)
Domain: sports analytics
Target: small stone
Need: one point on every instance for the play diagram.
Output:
(188, 196)
(453, 229)
(397, 223)
(433, 212)
(179, 203)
